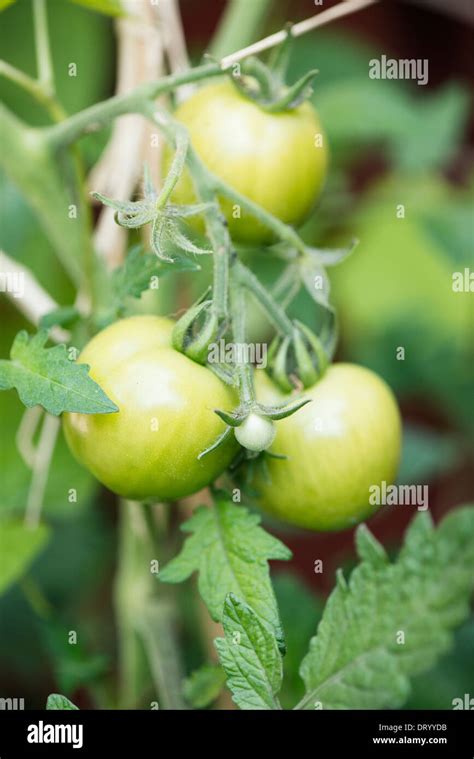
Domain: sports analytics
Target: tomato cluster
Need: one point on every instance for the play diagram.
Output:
(334, 449)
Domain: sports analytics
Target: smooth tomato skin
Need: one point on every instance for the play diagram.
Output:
(339, 445)
(272, 159)
(149, 448)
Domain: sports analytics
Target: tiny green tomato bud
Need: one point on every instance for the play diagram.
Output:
(255, 433)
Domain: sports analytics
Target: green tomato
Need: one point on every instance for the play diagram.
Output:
(338, 446)
(149, 448)
(275, 159)
(255, 433)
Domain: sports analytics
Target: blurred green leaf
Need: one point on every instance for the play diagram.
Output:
(358, 659)
(452, 677)
(93, 76)
(451, 228)
(203, 685)
(420, 133)
(19, 546)
(50, 188)
(56, 701)
(425, 454)
(73, 665)
(433, 138)
(333, 53)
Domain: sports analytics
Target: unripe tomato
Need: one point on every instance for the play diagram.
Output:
(339, 445)
(149, 448)
(255, 433)
(275, 159)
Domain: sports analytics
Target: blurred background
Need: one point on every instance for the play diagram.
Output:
(392, 142)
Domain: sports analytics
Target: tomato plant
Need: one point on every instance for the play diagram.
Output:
(170, 413)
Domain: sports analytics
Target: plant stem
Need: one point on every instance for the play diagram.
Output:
(43, 51)
(157, 630)
(182, 145)
(99, 115)
(218, 234)
(34, 88)
(41, 466)
(273, 310)
(204, 184)
(244, 370)
(137, 609)
(282, 231)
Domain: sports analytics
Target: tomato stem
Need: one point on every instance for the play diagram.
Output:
(244, 370)
(275, 313)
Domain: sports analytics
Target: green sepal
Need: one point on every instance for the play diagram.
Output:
(233, 419)
(305, 368)
(281, 412)
(279, 367)
(196, 346)
(294, 95)
(316, 345)
(218, 441)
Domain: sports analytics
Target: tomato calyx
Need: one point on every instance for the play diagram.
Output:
(253, 424)
(168, 226)
(298, 360)
(196, 330)
(258, 83)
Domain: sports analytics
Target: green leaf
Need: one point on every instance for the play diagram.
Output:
(50, 188)
(5, 4)
(134, 276)
(73, 666)
(440, 120)
(230, 551)
(108, 7)
(426, 454)
(19, 546)
(56, 701)
(47, 377)
(419, 133)
(203, 686)
(250, 657)
(391, 620)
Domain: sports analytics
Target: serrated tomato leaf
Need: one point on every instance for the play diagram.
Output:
(391, 620)
(250, 657)
(47, 377)
(56, 701)
(230, 551)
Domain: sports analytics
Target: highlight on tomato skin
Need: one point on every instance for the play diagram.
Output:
(337, 447)
(150, 448)
(278, 160)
